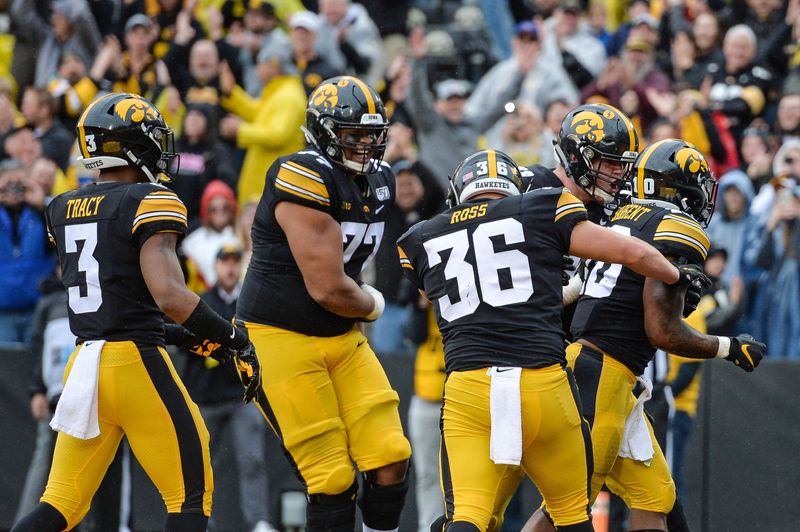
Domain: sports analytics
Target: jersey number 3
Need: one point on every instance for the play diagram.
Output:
(488, 264)
(87, 264)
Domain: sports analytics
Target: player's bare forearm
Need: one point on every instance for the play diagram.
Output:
(315, 239)
(590, 241)
(164, 278)
(665, 328)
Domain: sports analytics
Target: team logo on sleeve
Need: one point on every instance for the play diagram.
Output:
(326, 96)
(382, 193)
(135, 110)
(589, 124)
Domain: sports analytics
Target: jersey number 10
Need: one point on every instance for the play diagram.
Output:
(488, 264)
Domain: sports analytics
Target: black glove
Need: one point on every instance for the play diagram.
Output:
(690, 273)
(692, 298)
(746, 352)
(567, 265)
(248, 367)
(178, 335)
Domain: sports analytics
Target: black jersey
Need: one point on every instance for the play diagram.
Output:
(610, 311)
(538, 176)
(98, 231)
(274, 292)
(493, 271)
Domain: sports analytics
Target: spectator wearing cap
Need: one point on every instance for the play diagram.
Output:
(25, 255)
(636, 9)
(217, 391)
(626, 82)
(569, 42)
(543, 80)
(260, 31)
(418, 198)
(267, 127)
(71, 27)
(39, 109)
(349, 40)
(311, 68)
(446, 134)
(217, 215)
(203, 158)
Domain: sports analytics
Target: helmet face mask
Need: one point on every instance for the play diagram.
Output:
(122, 129)
(596, 146)
(673, 171)
(346, 122)
(486, 171)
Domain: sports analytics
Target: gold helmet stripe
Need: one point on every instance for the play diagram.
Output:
(492, 162)
(81, 132)
(367, 94)
(641, 163)
(631, 129)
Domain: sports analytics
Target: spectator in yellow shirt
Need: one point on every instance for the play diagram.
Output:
(267, 127)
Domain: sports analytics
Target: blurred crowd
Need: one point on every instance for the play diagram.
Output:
(232, 78)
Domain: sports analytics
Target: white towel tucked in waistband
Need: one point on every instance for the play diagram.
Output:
(505, 409)
(636, 442)
(76, 413)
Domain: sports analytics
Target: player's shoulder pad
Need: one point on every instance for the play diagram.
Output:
(680, 234)
(538, 176)
(305, 176)
(156, 203)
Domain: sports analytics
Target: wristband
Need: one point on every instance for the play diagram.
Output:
(379, 302)
(206, 323)
(724, 347)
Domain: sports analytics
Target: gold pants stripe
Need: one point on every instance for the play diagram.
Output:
(606, 391)
(330, 402)
(139, 396)
(556, 451)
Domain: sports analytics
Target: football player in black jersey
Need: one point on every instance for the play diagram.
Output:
(491, 265)
(116, 244)
(622, 318)
(596, 146)
(318, 224)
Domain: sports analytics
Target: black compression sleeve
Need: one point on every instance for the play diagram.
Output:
(206, 323)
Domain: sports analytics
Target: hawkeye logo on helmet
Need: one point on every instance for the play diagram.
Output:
(590, 124)
(691, 161)
(92, 165)
(367, 119)
(492, 183)
(326, 96)
(135, 110)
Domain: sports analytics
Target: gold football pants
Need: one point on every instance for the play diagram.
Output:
(330, 403)
(556, 450)
(139, 396)
(606, 390)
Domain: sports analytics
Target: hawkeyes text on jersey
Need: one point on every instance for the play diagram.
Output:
(610, 311)
(273, 292)
(493, 272)
(98, 231)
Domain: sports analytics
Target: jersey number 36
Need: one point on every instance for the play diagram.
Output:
(488, 264)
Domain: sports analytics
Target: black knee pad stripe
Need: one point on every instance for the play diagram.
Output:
(381, 505)
(332, 513)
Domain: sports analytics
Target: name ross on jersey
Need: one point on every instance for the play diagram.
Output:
(469, 213)
(82, 207)
(630, 212)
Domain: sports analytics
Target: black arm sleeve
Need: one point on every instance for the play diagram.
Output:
(215, 328)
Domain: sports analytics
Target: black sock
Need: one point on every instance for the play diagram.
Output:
(186, 523)
(676, 519)
(43, 518)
